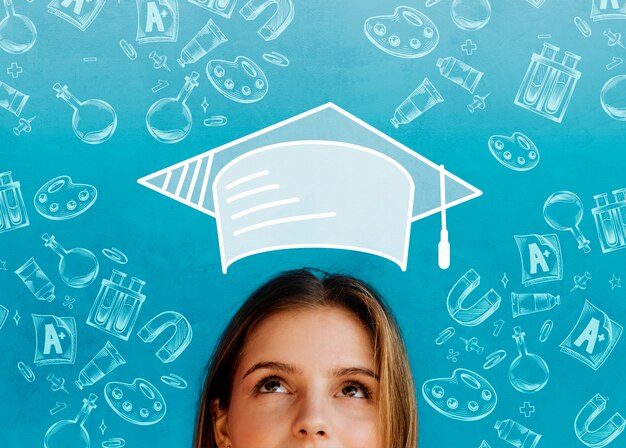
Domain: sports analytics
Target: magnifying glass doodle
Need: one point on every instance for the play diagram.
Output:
(563, 211)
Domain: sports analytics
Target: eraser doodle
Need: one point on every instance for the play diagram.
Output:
(613, 97)
(79, 13)
(465, 396)
(138, 402)
(60, 198)
(278, 22)
(241, 80)
(12, 208)
(593, 338)
(470, 15)
(517, 152)
(603, 434)
(17, 32)
(610, 218)
(284, 187)
(407, 33)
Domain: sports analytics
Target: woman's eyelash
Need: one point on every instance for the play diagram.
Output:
(265, 380)
(366, 390)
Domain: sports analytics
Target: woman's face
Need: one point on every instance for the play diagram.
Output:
(306, 378)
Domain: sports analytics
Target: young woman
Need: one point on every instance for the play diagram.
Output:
(309, 361)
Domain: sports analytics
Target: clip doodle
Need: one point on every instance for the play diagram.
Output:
(465, 396)
(177, 343)
(279, 21)
(477, 312)
(407, 33)
(139, 403)
(593, 338)
(605, 433)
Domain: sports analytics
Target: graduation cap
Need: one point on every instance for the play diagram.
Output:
(322, 179)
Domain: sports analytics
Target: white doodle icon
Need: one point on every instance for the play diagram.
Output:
(541, 258)
(157, 21)
(12, 99)
(610, 220)
(603, 434)
(470, 15)
(80, 13)
(139, 402)
(78, 267)
(222, 7)
(593, 338)
(206, 40)
(17, 32)
(563, 211)
(177, 343)
(102, 363)
(418, 102)
(613, 97)
(55, 339)
(277, 23)
(517, 434)
(528, 373)
(72, 432)
(60, 198)
(608, 9)
(241, 80)
(479, 310)
(12, 208)
(407, 33)
(291, 176)
(517, 152)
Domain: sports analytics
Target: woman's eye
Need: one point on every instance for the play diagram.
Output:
(271, 386)
(354, 391)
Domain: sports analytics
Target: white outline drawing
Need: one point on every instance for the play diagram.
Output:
(12, 99)
(465, 396)
(610, 219)
(516, 434)
(607, 10)
(60, 198)
(36, 280)
(223, 8)
(22, 25)
(101, 364)
(56, 340)
(63, 433)
(558, 209)
(468, 16)
(75, 14)
(603, 434)
(540, 251)
(277, 23)
(12, 208)
(614, 88)
(407, 33)
(139, 402)
(196, 183)
(78, 267)
(517, 152)
(177, 343)
(528, 372)
(418, 102)
(209, 37)
(241, 80)
(162, 14)
(478, 311)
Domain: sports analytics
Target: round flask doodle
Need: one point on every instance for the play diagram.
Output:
(17, 32)
(613, 97)
(470, 15)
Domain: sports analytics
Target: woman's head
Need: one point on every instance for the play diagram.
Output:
(309, 362)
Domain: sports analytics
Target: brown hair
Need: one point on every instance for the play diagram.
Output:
(301, 288)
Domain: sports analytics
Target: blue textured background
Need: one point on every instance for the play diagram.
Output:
(175, 250)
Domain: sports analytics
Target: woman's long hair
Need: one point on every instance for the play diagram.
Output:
(299, 289)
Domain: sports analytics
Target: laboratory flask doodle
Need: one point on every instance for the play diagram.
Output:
(17, 32)
(563, 211)
(78, 267)
(613, 97)
(66, 433)
(169, 119)
(94, 121)
(528, 373)
(470, 15)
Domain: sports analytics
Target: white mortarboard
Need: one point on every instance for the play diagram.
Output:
(322, 179)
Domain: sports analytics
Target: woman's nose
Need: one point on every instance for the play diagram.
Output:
(312, 419)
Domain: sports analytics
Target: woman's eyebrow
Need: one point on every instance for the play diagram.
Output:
(354, 371)
(288, 368)
(291, 369)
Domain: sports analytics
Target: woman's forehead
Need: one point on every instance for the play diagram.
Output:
(310, 337)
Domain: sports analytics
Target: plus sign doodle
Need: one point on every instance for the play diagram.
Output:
(527, 409)
(469, 47)
(14, 70)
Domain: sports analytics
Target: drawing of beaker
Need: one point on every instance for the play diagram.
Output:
(418, 102)
(36, 280)
(169, 119)
(12, 207)
(563, 211)
(78, 267)
(72, 433)
(103, 363)
(558, 97)
(528, 373)
(17, 32)
(94, 121)
(534, 82)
